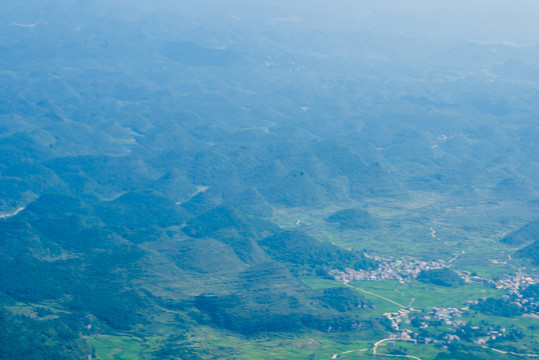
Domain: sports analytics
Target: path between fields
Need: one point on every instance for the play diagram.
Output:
(347, 352)
(375, 348)
(373, 294)
(509, 352)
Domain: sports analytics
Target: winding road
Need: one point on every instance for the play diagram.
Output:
(375, 348)
(5, 216)
(335, 356)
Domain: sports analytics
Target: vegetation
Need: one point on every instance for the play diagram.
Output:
(498, 307)
(526, 234)
(26, 338)
(530, 252)
(440, 277)
(186, 185)
(353, 219)
(307, 253)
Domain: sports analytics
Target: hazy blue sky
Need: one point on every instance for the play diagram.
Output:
(512, 21)
(479, 20)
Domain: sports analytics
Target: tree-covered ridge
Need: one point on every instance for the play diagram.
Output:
(441, 277)
(353, 219)
(498, 307)
(306, 253)
(25, 338)
(280, 304)
(530, 252)
(526, 234)
(65, 246)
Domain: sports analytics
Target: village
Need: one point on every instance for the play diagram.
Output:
(403, 270)
(412, 325)
(450, 318)
(514, 284)
(407, 269)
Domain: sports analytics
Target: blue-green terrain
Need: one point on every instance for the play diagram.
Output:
(234, 180)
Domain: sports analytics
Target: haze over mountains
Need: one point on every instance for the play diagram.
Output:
(185, 171)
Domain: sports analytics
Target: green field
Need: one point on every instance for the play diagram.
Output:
(298, 346)
(110, 347)
(317, 283)
(424, 296)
